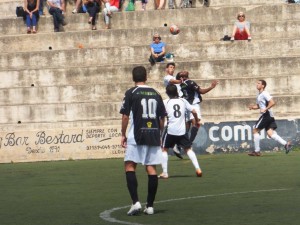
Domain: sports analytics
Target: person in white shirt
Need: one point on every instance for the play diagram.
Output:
(175, 133)
(264, 102)
(56, 9)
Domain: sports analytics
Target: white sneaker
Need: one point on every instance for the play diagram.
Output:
(149, 210)
(135, 209)
(74, 11)
(163, 176)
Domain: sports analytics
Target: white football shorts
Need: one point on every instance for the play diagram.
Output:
(198, 110)
(143, 154)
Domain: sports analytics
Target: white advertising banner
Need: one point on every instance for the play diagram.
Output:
(61, 144)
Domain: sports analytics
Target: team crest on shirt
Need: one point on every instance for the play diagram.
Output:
(149, 124)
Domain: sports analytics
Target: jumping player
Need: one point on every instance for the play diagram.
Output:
(192, 92)
(264, 102)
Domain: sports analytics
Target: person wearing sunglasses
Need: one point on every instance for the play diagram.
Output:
(241, 28)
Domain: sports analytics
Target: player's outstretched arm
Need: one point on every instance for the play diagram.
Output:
(213, 84)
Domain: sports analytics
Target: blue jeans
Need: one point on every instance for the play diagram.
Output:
(31, 21)
(58, 17)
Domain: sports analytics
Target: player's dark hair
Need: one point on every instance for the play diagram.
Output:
(263, 82)
(139, 74)
(170, 64)
(171, 91)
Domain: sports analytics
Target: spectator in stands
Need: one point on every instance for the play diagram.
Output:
(93, 8)
(241, 29)
(157, 49)
(77, 6)
(56, 9)
(110, 6)
(31, 8)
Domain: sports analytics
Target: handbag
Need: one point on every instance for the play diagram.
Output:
(20, 11)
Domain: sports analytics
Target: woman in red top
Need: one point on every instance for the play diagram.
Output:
(110, 6)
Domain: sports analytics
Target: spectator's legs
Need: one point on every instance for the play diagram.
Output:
(107, 13)
(57, 17)
(28, 23)
(41, 7)
(34, 22)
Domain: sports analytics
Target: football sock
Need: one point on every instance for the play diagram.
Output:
(164, 162)
(277, 138)
(256, 137)
(132, 186)
(191, 154)
(194, 132)
(152, 189)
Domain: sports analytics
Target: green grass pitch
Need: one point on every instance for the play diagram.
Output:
(235, 190)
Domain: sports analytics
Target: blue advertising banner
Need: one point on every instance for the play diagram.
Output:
(237, 137)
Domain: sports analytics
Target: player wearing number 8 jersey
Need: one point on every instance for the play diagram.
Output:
(176, 109)
(144, 109)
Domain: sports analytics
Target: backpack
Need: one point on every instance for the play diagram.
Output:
(20, 11)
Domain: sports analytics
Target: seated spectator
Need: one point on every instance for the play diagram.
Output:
(241, 29)
(93, 8)
(56, 9)
(157, 50)
(31, 8)
(110, 6)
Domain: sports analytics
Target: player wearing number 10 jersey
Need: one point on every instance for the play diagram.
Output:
(144, 108)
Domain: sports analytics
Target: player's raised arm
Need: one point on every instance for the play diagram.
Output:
(213, 84)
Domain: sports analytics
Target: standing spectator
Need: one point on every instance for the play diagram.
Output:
(56, 9)
(31, 8)
(41, 7)
(93, 8)
(110, 6)
(264, 102)
(176, 109)
(241, 28)
(157, 49)
(144, 108)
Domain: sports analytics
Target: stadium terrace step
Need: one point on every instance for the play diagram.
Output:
(8, 7)
(140, 54)
(214, 69)
(161, 19)
(89, 93)
(213, 110)
(114, 38)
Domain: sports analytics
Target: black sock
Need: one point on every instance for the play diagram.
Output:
(152, 189)
(132, 186)
(194, 132)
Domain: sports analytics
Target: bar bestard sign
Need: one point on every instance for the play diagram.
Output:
(61, 144)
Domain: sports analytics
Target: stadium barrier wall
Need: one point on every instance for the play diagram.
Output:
(104, 142)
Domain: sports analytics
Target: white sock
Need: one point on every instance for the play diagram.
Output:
(164, 162)
(277, 138)
(191, 154)
(256, 137)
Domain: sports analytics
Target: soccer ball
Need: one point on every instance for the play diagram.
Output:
(174, 29)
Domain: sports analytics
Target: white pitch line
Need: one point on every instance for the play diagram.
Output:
(105, 215)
